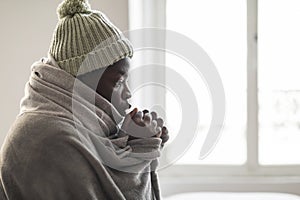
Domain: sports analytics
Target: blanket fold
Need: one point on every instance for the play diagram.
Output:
(64, 144)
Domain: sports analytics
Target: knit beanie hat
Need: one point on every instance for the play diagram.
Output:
(85, 40)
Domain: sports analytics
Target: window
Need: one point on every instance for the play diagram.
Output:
(254, 46)
(278, 81)
(219, 27)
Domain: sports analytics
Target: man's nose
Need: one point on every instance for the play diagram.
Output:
(126, 93)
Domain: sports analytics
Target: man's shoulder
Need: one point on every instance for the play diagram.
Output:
(42, 157)
(39, 124)
(32, 135)
(31, 129)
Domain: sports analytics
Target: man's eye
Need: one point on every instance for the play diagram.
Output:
(119, 83)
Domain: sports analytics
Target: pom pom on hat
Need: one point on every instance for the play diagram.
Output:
(71, 7)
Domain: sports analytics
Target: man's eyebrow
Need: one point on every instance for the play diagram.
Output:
(122, 72)
(125, 75)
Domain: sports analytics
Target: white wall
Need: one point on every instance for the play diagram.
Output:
(26, 32)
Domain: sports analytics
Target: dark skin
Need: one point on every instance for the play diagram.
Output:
(113, 86)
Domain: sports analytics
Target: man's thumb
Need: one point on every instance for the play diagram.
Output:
(128, 117)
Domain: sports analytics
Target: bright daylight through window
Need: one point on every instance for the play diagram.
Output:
(278, 81)
(220, 28)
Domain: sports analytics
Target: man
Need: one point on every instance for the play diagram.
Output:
(66, 142)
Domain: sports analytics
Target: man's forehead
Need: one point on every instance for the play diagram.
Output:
(123, 70)
(122, 67)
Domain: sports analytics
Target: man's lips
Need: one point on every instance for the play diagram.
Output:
(127, 106)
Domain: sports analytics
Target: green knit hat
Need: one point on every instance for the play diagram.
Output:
(85, 39)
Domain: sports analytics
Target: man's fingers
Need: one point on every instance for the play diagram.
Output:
(145, 111)
(160, 122)
(153, 127)
(165, 136)
(154, 115)
(138, 115)
(158, 131)
(137, 118)
(128, 117)
(133, 112)
(165, 130)
(147, 118)
(146, 125)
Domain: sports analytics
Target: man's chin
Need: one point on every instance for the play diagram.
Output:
(123, 110)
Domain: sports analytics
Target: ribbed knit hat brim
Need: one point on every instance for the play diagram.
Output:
(99, 58)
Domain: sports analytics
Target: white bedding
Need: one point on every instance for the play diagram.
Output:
(232, 196)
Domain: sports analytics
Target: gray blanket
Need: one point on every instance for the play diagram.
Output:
(65, 144)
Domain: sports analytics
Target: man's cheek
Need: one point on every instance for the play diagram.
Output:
(116, 97)
(112, 92)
